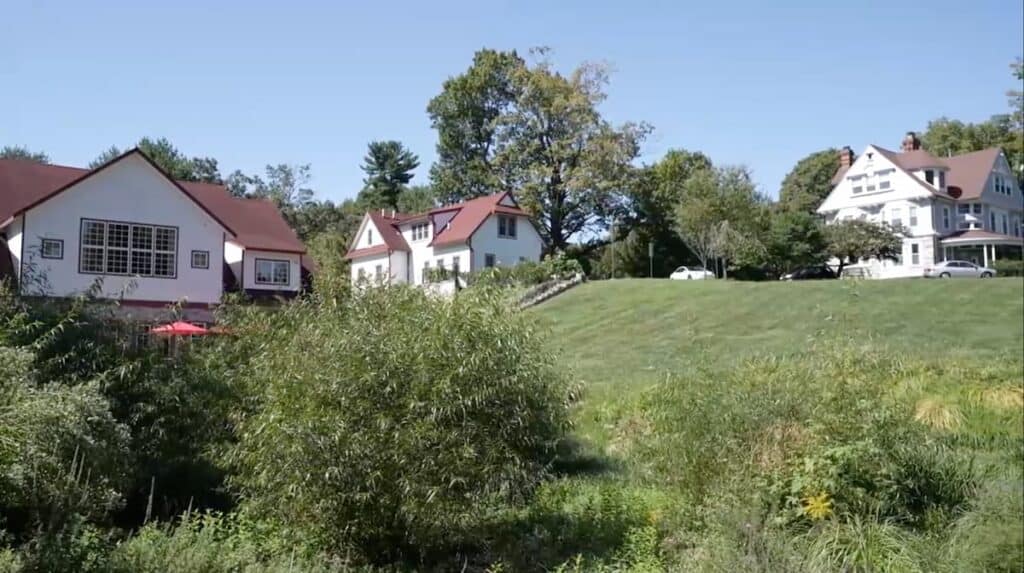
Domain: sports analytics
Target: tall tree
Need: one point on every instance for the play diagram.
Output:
(720, 215)
(417, 199)
(794, 238)
(810, 181)
(170, 159)
(506, 125)
(389, 168)
(23, 153)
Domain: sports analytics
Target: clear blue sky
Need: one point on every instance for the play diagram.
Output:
(256, 82)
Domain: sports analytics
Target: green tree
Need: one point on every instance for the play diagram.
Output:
(23, 153)
(720, 215)
(506, 125)
(850, 240)
(417, 199)
(794, 239)
(179, 166)
(389, 168)
(810, 181)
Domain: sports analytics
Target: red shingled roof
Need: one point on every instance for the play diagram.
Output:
(471, 215)
(256, 224)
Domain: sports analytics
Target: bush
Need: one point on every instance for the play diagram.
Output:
(389, 423)
(1008, 268)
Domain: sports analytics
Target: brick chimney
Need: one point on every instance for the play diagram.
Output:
(845, 157)
(910, 142)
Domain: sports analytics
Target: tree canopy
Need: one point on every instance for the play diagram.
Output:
(507, 125)
(851, 239)
(179, 166)
(22, 152)
(810, 181)
(389, 169)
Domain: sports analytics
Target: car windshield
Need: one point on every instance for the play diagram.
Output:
(681, 270)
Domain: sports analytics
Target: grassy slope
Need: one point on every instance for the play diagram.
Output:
(621, 336)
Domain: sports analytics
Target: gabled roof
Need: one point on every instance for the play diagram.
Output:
(255, 223)
(258, 223)
(970, 171)
(469, 217)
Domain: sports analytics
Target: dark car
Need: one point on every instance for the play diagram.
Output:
(817, 272)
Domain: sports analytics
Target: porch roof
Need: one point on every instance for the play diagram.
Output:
(979, 237)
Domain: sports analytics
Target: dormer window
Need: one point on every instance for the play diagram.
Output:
(420, 231)
(929, 176)
(369, 236)
(942, 179)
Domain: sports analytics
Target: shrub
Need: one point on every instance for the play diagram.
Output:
(387, 424)
(1008, 268)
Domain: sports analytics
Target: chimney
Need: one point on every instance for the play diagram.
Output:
(910, 142)
(845, 157)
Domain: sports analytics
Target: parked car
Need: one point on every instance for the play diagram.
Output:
(817, 272)
(959, 269)
(691, 273)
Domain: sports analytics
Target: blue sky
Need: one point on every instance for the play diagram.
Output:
(250, 83)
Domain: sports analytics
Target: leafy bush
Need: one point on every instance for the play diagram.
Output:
(62, 454)
(528, 273)
(1008, 268)
(389, 423)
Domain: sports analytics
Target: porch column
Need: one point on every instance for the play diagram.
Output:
(984, 253)
(993, 253)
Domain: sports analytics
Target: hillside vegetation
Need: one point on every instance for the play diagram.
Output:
(830, 426)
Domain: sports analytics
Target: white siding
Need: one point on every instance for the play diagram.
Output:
(420, 249)
(369, 235)
(129, 191)
(507, 252)
(369, 266)
(398, 267)
(249, 270)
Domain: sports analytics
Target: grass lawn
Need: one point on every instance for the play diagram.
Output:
(632, 331)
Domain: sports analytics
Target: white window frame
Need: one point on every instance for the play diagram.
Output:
(913, 216)
(507, 227)
(945, 217)
(47, 242)
(132, 252)
(915, 254)
(420, 231)
(896, 216)
(205, 264)
(275, 276)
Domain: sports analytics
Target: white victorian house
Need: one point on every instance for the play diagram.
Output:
(964, 207)
(484, 232)
(150, 240)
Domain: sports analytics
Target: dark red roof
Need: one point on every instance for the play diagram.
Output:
(470, 216)
(256, 223)
(965, 177)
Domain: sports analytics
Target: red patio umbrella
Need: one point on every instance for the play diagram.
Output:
(179, 328)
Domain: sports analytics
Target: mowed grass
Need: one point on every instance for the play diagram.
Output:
(632, 331)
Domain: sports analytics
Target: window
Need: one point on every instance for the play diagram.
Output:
(200, 259)
(1016, 228)
(274, 272)
(884, 184)
(455, 263)
(992, 221)
(963, 209)
(913, 216)
(362, 274)
(857, 189)
(522, 259)
(378, 273)
(896, 217)
(915, 256)
(369, 236)
(945, 217)
(942, 179)
(489, 260)
(506, 227)
(870, 188)
(109, 247)
(420, 231)
(977, 208)
(52, 249)
(440, 264)
(1006, 227)
(929, 176)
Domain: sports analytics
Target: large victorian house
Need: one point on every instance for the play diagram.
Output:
(964, 207)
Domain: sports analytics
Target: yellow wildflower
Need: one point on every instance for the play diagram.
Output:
(818, 507)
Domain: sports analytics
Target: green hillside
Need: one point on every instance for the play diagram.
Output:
(631, 331)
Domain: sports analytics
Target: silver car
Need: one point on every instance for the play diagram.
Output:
(959, 269)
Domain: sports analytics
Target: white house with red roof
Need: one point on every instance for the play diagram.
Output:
(489, 231)
(964, 207)
(152, 240)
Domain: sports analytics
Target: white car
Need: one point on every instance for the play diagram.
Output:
(958, 269)
(691, 273)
